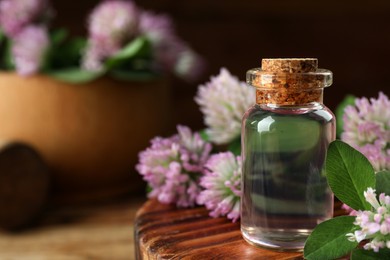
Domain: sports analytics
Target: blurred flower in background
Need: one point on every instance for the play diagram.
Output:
(115, 24)
(367, 129)
(113, 21)
(222, 186)
(24, 22)
(29, 49)
(110, 25)
(171, 53)
(223, 102)
(16, 14)
(189, 66)
(159, 29)
(124, 41)
(172, 167)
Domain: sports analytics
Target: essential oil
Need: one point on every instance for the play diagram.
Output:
(285, 137)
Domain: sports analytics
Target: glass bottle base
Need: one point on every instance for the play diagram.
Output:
(277, 239)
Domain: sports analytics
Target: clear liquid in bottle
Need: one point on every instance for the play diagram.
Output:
(285, 191)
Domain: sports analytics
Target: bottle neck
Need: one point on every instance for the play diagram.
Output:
(281, 97)
(286, 109)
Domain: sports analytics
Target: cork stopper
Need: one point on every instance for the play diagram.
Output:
(294, 81)
(294, 65)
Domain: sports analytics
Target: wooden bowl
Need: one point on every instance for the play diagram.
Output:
(88, 134)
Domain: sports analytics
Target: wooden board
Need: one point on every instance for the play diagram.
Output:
(82, 232)
(165, 232)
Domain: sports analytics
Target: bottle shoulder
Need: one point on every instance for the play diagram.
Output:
(317, 112)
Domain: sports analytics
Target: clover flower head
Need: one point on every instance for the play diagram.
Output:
(222, 186)
(172, 167)
(367, 129)
(16, 14)
(189, 65)
(171, 53)
(373, 225)
(29, 49)
(370, 196)
(111, 25)
(96, 52)
(223, 102)
(160, 31)
(349, 210)
(157, 27)
(114, 21)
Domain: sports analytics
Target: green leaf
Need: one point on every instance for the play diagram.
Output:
(2, 37)
(58, 36)
(362, 254)
(133, 75)
(203, 134)
(2, 49)
(7, 59)
(348, 100)
(349, 174)
(235, 146)
(134, 48)
(69, 55)
(383, 182)
(75, 75)
(329, 241)
(149, 189)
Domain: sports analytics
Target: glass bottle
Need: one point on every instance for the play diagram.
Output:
(285, 136)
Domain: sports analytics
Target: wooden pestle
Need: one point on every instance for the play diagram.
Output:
(24, 185)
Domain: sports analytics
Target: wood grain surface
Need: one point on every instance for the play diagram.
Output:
(165, 232)
(102, 231)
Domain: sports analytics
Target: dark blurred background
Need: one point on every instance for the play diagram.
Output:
(351, 38)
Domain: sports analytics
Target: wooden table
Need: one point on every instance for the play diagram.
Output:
(165, 232)
(103, 231)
